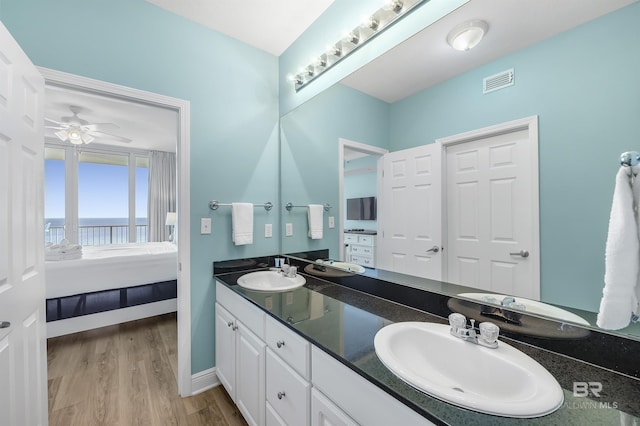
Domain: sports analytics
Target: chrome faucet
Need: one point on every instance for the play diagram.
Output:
(488, 335)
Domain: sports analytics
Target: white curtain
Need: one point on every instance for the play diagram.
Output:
(162, 194)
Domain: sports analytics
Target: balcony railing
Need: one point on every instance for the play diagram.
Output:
(97, 235)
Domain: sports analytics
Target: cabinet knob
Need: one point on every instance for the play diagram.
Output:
(230, 323)
(280, 343)
(281, 395)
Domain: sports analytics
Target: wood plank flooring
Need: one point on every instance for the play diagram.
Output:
(126, 374)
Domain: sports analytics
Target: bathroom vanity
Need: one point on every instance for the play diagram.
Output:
(307, 356)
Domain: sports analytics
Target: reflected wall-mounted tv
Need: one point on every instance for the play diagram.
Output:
(363, 208)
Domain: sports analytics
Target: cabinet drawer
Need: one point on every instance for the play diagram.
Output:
(293, 349)
(362, 250)
(361, 400)
(325, 413)
(250, 315)
(362, 260)
(287, 392)
(273, 419)
(350, 238)
(365, 240)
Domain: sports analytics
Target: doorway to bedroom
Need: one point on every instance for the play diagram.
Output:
(116, 179)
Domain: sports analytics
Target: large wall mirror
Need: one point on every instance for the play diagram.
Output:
(580, 84)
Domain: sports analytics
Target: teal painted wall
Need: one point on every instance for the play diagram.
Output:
(584, 86)
(233, 91)
(331, 26)
(309, 151)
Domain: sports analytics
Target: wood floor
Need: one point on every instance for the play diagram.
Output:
(126, 374)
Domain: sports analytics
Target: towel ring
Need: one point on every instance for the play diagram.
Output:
(630, 158)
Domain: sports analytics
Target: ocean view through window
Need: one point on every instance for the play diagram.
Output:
(95, 196)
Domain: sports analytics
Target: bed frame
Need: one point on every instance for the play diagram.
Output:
(110, 285)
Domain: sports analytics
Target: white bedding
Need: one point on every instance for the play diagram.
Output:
(110, 267)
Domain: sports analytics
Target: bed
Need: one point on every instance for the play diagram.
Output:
(109, 285)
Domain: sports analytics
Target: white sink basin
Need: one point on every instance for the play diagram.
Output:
(502, 381)
(345, 266)
(532, 307)
(351, 267)
(270, 281)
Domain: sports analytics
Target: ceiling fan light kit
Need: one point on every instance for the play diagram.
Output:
(79, 131)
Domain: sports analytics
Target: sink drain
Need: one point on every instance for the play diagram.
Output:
(458, 389)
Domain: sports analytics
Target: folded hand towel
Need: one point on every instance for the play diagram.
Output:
(242, 223)
(622, 259)
(315, 215)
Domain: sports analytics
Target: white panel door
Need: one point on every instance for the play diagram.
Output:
(411, 212)
(492, 214)
(23, 358)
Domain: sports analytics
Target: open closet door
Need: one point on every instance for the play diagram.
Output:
(23, 357)
(410, 222)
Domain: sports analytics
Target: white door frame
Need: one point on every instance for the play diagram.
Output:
(528, 123)
(365, 149)
(182, 107)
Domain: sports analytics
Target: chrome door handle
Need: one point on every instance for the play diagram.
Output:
(521, 253)
(434, 249)
(5, 324)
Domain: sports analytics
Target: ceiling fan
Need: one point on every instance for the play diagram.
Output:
(79, 131)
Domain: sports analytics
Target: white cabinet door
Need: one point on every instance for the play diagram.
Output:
(226, 350)
(23, 355)
(411, 213)
(326, 413)
(250, 376)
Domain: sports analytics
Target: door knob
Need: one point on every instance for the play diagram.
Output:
(434, 249)
(521, 253)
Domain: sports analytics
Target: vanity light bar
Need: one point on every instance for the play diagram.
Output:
(375, 24)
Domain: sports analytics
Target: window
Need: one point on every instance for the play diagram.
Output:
(95, 196)
(54, 195)
(103, 198)
(142, 198)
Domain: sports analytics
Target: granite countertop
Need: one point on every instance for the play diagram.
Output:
(343, 322)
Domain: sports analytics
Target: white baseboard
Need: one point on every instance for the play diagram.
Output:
(204, 380)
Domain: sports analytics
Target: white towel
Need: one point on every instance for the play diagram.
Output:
(622, 260)
(315, 214)
(242, 223)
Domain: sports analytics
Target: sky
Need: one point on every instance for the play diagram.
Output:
(102, 190)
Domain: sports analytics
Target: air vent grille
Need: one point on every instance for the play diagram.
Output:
(498, 81)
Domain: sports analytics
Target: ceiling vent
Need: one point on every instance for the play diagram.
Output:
(498, 81)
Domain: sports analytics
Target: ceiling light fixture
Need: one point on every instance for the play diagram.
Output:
(75, 136)
(371, 26)
(467, 35)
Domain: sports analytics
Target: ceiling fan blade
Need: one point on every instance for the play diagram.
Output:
(100, 127)
(56, 127)
(105, 135)
(55, 122)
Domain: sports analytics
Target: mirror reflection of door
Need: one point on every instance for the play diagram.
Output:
(486, 222)
(410, 212)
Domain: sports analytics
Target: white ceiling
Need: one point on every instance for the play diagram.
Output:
(426, 59)
(149, 127)
(268, 25)
(421, 62)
